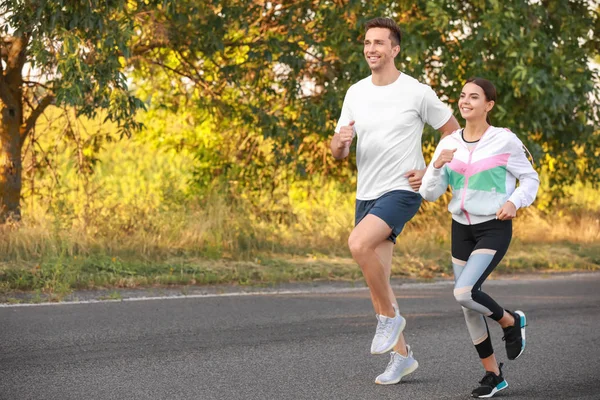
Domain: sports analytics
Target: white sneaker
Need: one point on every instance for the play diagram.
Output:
(387, 333)
(398, 367)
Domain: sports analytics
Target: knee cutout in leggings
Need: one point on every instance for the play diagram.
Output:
(462, 290)
(465, 284)
(458, 262)
(484, 251)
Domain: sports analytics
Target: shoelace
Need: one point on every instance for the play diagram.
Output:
(512, 334)
(390, 365)
(488, 379)
(394, 359)
(382, 327)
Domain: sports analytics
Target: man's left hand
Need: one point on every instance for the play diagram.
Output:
(415, 177)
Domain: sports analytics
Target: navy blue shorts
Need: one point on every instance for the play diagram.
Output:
(396, 208)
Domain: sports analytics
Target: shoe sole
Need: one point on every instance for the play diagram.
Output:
(523, 322)
(494, 391)
(389, 348)
(409, 370)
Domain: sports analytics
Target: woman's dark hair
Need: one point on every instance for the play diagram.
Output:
(488, 89)
(388, 23)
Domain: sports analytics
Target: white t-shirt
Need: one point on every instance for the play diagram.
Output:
(389, 123)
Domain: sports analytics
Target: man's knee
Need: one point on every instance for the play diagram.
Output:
(357, 246)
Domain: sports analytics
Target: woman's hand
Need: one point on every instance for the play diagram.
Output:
(445, 157)
(508, 211)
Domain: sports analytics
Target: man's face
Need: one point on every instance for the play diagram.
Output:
(378, 48)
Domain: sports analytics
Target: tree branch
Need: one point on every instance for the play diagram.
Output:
(16, 60)
(173, 70)
(193, 78)
(183, 59)
(31, 120)
(142, 49)
(5, 43)
(36, 84)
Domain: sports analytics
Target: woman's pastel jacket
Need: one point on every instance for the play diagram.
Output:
(482, 179)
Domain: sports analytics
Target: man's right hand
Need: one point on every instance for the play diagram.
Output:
(346, 135)
(445, 157)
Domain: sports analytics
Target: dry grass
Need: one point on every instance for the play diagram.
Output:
(219, 243)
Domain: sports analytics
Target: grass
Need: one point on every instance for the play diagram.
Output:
(53, 265)
(130, 216)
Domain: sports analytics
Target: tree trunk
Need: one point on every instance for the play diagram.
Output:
(10, 162)
(11, 126)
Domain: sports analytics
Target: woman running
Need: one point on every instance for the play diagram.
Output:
(482, 163)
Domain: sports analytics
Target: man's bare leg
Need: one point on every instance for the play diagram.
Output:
(385, 252)
(364, 240)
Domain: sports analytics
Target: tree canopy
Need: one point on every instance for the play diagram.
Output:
(278, 70)
(71, 53)
(283, 67)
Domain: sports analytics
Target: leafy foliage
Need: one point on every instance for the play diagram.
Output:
(279, 70)
(257, 86)
(74, 54)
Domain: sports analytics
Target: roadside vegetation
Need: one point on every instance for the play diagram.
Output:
(129, 214)
(186, 142)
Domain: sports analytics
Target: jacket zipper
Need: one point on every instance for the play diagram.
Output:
(464, 191)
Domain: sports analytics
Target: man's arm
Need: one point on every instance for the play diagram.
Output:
(338, 150)
(340, 143)
(449, 127)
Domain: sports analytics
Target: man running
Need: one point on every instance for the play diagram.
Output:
(387, 112)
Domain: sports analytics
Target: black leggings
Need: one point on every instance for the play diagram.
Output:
(476, 251)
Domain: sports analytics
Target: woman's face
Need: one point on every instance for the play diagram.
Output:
(472, 103)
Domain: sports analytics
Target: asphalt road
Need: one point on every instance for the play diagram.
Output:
(296, 346)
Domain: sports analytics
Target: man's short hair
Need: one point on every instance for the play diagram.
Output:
(388, 23)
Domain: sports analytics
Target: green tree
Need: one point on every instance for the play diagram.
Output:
(67, 53)
(279, 69)
(538, 54)
(257, 69)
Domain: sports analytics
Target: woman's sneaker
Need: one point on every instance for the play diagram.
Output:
(490, 385)
(514, 336)
(398, 367)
